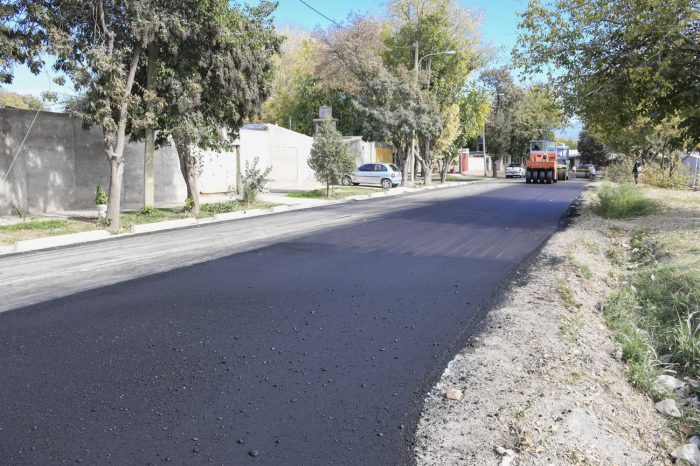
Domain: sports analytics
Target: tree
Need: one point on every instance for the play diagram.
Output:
(25, 102)
(444, 146)
(213, 80)
(20, 40)
(518, 115)
(297, 93)
(395, 109)
(591, 150)
(426, 27)
(99, 46)
(330, 157)
(614, 60)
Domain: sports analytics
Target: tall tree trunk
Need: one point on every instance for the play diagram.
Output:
(427, 164)
(444, 165)
(115, 142)
(188, 167)
(116, 173)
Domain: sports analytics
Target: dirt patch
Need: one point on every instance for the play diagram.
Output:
(545, 380)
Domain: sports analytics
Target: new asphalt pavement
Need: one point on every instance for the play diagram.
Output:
(302, 338)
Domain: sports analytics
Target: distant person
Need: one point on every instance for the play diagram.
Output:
(635, 171)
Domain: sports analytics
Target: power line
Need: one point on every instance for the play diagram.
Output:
(324, 16)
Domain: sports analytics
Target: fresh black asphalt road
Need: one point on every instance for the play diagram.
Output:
(315, 350)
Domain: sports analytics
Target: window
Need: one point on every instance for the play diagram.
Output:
(379, 168)
(366, 168)
(394, 167)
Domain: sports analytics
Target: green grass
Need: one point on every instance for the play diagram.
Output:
(567, 296)
(10, 234)
(338, 192)
(35, 225)
(38, 228)
(580, 268)
(624, 200)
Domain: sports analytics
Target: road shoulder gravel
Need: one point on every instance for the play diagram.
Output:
(542, 385)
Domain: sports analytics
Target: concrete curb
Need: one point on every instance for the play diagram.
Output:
(63, 240)
(97, 235)
(167, 225)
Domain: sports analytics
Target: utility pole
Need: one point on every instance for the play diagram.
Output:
(149, 150)
(411, 164)
(483, 144)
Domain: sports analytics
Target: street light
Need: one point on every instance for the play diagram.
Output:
(447, 52)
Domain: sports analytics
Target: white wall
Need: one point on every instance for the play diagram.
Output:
(287, 152)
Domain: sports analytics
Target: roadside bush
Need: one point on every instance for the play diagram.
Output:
(619, 172)
(254, 181)
(659, 178)
(623, 201)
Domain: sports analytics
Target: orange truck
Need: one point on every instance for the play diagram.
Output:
(547, 163)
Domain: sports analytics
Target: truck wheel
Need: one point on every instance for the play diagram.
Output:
(549, 176)
(528, 176)
(542, 176)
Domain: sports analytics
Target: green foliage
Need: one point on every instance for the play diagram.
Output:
(395, 108)
(34, 225)
(652, 175)
(623, 201)
(619, 172)
(297, 93)
(330, 158)
(613, 60)
(518, 115)
(189, 204)
(101, 197)
(254, 181)
(147, 211)
(24, 102)
(591, 150)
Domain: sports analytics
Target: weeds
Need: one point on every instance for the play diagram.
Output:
(582, 270)
(34, 225)
(571, 326)
(623, 201)
(567, 296)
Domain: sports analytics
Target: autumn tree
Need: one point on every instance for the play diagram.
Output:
(297, 92)
(14, 100)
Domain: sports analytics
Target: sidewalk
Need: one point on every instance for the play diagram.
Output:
(284, 202)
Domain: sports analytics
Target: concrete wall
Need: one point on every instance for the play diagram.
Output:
(61, 164)
(287, 152)
(364, 152)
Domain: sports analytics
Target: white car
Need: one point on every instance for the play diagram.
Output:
(515, 169)
(385, 175)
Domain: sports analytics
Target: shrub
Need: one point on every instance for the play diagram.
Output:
(189, 204)
(147, 210)
(659, 177)
(623, 201)
(254, 181)
(619, 172)
(101, 196)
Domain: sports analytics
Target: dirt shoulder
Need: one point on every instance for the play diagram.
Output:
(546, 380)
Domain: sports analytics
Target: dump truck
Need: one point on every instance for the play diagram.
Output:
(547, 163)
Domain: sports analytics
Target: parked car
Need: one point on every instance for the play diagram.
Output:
(385, 175)
(515, 169)
(586, 170)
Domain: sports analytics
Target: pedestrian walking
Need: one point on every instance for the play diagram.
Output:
(635, 171)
